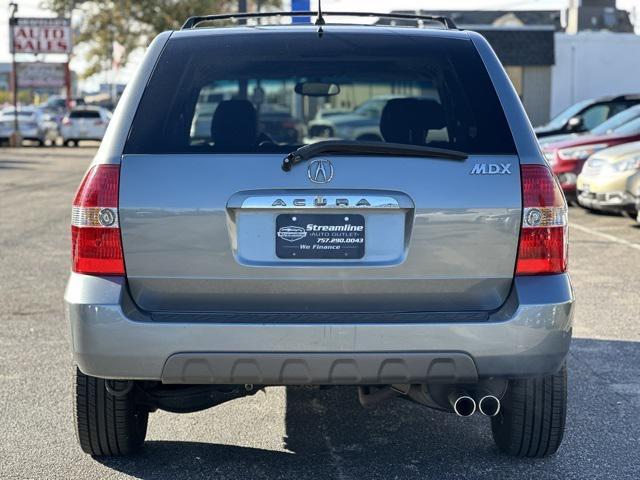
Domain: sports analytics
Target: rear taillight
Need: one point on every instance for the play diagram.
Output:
(66, 121)
(543, 238)
(95, 229)
(98, 122)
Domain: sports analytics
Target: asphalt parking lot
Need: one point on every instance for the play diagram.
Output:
(292, 432)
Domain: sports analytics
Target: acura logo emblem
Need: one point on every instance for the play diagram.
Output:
(320, 171)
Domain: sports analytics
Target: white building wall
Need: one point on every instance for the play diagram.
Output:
(536, 93)
(593, 64)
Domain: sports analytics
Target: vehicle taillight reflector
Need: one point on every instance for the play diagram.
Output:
(95, 228)
(543, 238)
(97, 251)
(542, 251)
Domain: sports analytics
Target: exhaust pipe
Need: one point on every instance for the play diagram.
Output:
(464, 405)
(489, 405)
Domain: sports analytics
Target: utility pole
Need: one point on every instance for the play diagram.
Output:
(242, 8)
(15, 140)
(243, 88)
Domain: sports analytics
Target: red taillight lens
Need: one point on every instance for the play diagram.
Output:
(95, 230)
(66, 121)
(543, 238)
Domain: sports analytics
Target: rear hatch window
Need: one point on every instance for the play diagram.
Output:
(84, 114)
(253, 93)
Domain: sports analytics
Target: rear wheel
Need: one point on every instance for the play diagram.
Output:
(532, 416)
(107, 425)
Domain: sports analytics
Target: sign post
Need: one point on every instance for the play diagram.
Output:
(15, 140)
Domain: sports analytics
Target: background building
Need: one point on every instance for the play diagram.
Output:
(597, 15)
(556, 58)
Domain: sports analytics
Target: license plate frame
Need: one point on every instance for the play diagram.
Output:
(320, 236)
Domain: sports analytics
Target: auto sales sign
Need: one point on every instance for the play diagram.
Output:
(40, 35)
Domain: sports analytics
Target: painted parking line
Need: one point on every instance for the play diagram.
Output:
(611, 238)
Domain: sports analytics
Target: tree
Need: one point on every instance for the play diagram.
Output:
(134, 23)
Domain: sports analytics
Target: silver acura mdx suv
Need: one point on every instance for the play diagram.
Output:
(428, 266)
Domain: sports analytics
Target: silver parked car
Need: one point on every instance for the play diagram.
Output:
(633, 192)
(206, 267)
(33, 124)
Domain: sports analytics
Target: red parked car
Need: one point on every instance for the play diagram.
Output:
(567, 157)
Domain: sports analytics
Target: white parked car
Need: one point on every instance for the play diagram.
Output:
(84, 123)
(34, 125)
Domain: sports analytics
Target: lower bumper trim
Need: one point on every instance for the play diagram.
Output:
(319, 368)
(606, 202)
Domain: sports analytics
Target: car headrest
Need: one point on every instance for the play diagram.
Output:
(235, 125)
(408, 120)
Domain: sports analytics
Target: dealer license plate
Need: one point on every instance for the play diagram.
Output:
(320, 236)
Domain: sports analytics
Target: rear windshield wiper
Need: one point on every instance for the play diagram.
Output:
(367, 148)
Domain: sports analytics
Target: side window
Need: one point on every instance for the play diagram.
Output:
(208, 101)
(595, 115)
(616, 108)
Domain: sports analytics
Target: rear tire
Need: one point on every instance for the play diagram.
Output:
(107, 425)
(531, 421)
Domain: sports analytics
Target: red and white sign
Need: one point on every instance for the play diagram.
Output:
(40, 35)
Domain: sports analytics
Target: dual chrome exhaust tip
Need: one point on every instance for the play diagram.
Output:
(464, 405)
(489, 405)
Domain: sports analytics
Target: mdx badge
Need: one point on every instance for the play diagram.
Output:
(320, 171)
(491, 169)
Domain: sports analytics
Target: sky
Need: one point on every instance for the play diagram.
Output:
(32, 8)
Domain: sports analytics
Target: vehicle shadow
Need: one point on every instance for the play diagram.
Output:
(329, 435)
(17, 164)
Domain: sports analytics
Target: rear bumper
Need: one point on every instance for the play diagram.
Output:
(529, 336)
(76, 134)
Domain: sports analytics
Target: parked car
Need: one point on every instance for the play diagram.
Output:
(33, 125)
(275, 122)
(363, 123)
(327, 111)
(201, 123)
(602, 183)
(603, 129)
(341, 262)
(633, 190)
(567, 158)
(59, 103)
(84, 123)
(586, 115)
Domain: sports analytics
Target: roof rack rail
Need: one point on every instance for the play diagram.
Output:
(192, 22)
